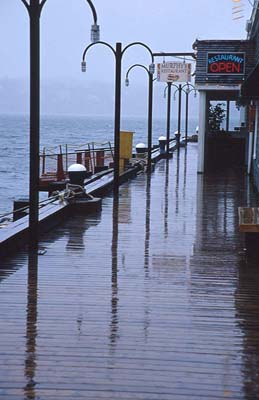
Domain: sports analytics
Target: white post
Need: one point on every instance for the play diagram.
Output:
(202, 131)
(242, 115)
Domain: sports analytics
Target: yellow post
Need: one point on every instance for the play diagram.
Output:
(126, 141)
(122, 165)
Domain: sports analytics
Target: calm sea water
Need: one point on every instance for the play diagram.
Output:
(56, 130)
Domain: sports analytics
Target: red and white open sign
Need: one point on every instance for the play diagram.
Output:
(226, 63)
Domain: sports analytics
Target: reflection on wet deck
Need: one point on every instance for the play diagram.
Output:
(151, 299)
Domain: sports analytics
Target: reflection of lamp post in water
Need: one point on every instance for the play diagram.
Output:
(31, 326)
(114, 272)
(166, 199)
(147, 224)
(118, 53)
(177, 183)
(34, 8)
(150, 107)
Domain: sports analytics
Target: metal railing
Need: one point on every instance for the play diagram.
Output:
(55, 161)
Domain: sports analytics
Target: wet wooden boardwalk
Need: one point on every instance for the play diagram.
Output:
(153, 299)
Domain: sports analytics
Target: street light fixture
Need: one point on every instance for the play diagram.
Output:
(187, 88)
(34, 8)
(118, 53)
(152, 68)
(150, 73)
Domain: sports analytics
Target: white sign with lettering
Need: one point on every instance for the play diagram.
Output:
(174, 72)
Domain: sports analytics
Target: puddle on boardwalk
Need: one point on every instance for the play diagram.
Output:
(152, 298)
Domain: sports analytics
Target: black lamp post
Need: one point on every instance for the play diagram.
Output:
(168, 116)
(187, 88)
(118, 53)
(150, 109)
(177, 135)
(34, 8)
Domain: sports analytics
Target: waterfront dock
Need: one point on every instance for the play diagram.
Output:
(152, 298)
(65, 202)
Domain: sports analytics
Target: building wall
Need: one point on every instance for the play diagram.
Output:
(253, 33)
(222, 46)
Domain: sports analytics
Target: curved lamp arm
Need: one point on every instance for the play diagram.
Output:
(27, 5)
(186, 89)
(177, 87)
(195, 91)
(94, 44)
(83, 63)
(42, 3)
(134, 66)
(92, 9)
(140, 44)
(95, 32)
(152, 65)
(172, 84)
(176, 90)
(188, 84)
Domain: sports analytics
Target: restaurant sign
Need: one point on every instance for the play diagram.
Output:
(226, 63)
(174, 72)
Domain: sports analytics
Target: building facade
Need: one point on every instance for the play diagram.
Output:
(222, 68)
(250, 91)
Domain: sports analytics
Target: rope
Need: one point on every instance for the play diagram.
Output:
(62, 196)
(69, 193)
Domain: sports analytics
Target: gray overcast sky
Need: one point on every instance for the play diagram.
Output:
(169, 25)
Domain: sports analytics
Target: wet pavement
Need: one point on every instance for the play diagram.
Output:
(153, 298)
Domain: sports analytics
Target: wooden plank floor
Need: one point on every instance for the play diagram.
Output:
(154, 299)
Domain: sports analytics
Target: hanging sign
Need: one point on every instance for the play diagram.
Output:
(174, 72)
(226, 63)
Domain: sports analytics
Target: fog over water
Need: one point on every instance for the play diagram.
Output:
(65, 32)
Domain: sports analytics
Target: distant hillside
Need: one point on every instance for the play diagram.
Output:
(84, 98)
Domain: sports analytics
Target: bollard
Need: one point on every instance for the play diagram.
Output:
(177, 138)
(19, 204)
(141, 150)
(162, 144)
(77, 174)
